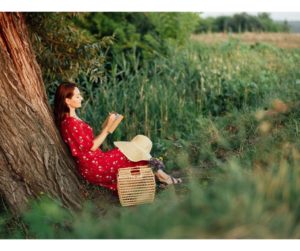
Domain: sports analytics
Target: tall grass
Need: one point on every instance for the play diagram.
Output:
(204, 108)
(170, 99)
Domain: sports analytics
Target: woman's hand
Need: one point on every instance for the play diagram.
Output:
(112, 117)
(101, 137)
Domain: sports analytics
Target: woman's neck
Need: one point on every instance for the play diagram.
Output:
(72, 113)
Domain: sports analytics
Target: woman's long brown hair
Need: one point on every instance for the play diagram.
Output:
(63, 91)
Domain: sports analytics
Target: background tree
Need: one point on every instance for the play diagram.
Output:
(241, 22)
(147, 34)
(64, 50)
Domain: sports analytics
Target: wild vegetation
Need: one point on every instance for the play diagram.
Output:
(223, 116)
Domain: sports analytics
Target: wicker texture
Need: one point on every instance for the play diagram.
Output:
(136, 185)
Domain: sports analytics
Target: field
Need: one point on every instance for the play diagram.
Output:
(280, 40)
(223, 113)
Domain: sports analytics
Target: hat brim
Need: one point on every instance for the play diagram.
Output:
(132, 151)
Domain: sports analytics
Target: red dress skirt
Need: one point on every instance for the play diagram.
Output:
(97, 167)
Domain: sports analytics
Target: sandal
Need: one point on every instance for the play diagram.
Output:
(174, 181)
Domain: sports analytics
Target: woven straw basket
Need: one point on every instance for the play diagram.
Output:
(136, 185)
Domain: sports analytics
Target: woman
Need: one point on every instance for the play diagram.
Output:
(96, 166)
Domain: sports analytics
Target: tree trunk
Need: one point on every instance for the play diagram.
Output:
(33, 158)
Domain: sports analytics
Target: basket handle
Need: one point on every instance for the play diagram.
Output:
(137, 170)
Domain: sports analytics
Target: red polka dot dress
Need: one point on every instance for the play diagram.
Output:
(97, 167)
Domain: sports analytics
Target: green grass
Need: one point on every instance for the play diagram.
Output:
(200, 107)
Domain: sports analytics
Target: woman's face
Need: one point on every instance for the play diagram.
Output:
(75, 101)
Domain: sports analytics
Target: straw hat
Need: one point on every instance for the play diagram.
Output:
(137, 149)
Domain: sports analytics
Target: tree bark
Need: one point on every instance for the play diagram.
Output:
(33, 158)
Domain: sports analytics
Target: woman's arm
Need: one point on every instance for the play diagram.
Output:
(102, 136)
(99, 139)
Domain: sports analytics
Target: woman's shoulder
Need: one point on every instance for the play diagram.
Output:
(70, 121)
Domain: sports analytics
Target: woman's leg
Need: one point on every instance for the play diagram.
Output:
(163, 177)
(166, 178)
(115, 159)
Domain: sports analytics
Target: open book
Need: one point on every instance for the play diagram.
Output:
(114, 124)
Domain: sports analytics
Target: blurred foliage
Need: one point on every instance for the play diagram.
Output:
(233, 200)
(241, 22)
